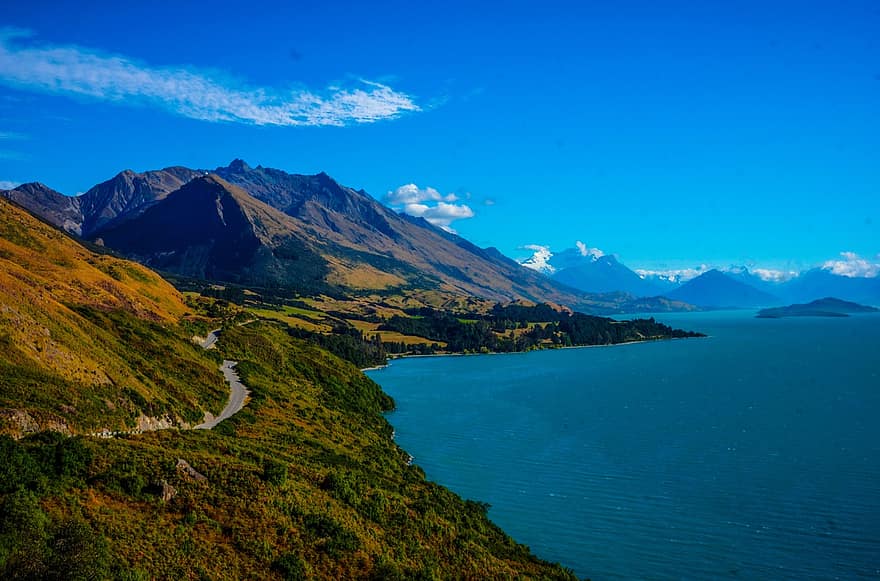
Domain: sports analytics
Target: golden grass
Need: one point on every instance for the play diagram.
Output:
(290, 319)
(360, 276)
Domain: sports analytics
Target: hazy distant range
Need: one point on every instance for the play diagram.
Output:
(592, 271)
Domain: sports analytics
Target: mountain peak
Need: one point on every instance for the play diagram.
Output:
(325, 180)
(238, 165)
(715, 288)
(714, 273)
(33, 187)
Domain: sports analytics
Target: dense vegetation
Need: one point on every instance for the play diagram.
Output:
(305, 482)
(518, 327)
(347, 343)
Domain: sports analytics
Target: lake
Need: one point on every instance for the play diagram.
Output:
(753, 453)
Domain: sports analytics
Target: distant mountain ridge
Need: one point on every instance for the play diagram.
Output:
(819, 282)
(591, 271)
(605, 274)
(715, 289)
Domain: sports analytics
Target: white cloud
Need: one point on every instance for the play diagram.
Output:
(441, 215)
(74, 70)
(539, 260)
(8, 185)
(773, 275)
(439, 210)
(413, 194)
(675, 274)
(587, 251)
(854, 266)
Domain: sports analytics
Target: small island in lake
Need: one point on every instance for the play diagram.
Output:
(827, 307)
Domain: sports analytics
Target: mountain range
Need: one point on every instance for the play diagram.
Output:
(265, 227)
(591, 271)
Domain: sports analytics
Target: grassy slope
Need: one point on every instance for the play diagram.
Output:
(304, 481)
(89, 341)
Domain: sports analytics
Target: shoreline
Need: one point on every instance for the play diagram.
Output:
(622, 343)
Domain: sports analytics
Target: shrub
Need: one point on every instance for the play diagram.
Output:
(290, 567)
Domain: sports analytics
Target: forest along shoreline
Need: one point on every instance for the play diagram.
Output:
(516, 329)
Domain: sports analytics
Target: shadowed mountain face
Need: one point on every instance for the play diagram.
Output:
(128, 195)
(212, 230)
(716, 289)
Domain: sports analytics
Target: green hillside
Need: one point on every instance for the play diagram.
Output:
(304, 482)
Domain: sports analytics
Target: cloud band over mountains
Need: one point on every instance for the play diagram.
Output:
(79, 71)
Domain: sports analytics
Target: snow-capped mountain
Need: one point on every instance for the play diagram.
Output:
(590, 270)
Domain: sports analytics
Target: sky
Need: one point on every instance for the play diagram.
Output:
(671, 134)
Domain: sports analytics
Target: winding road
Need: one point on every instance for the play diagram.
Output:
(237, 391)
(237, 395)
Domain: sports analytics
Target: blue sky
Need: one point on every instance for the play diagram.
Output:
(672, 134)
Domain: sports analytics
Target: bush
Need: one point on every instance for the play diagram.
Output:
(290, 567)
(274, 472)
(17, 468)
(22, 536)
(336, 539)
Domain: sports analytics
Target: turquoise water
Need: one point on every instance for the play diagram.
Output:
(752, 454)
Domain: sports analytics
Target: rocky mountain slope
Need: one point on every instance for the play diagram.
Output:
(126, 195)
(129, 194)
(54, 207)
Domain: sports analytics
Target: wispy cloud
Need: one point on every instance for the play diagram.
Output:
(4, 135)
(430, 204)
(8, 185)
(80, 71)
(854, 266)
